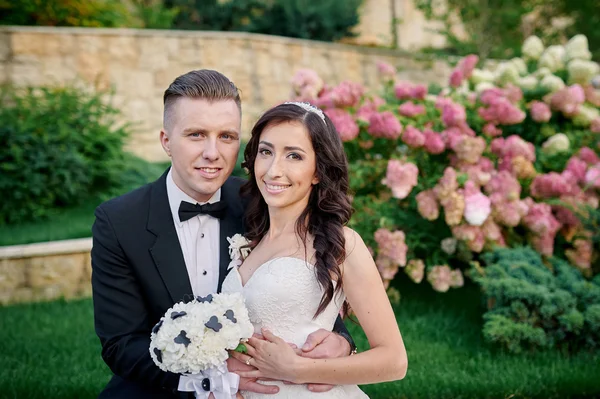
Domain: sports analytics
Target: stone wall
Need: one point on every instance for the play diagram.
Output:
(140, 64)
(45, 271)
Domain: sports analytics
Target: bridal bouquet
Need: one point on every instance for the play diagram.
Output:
(193, 337)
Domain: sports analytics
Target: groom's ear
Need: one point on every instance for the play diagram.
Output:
(165, 142)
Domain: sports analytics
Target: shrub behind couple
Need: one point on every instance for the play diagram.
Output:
(155, 245)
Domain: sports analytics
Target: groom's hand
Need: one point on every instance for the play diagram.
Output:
(323, 344)
(249, 384)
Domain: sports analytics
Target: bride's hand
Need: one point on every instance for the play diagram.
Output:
(272, 356)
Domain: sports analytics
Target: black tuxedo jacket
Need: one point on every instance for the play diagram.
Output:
(138, 272)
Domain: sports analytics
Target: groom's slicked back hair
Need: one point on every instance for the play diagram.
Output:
(202, 83)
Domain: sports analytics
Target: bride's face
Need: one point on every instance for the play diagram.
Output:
(285, 165)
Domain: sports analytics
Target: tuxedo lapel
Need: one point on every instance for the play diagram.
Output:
(166, 251)
(231, 224)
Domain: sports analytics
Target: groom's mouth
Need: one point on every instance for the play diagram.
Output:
(208, 172)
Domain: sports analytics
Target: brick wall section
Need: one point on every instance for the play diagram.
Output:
(140, 64)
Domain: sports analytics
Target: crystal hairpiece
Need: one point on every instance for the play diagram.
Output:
(308, 107)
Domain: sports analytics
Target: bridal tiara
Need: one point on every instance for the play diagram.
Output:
(308, 107)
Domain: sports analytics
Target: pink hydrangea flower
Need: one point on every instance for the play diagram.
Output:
(581, 255)
(446, 185)
(306, 85)
(540, 112)
(385, 125)
(502, 112)
(477, 205)
(550, 185)
(469, 149)
(456, 78)
(454, 208)
(540, 220)
(567, 100)
(392, 245)
(493, 233)
(505, 184)
(413, 137)
(507, 213)
(440, 277)
(415, 270)
(427, 205)
(513, 146)
(385, 70)
(595, 126)
(588, 155)
(475, 172)
(401, 178)
(407, 90)
(347, 94)
(387, 269)
(576, 169)
(453, 114)
(456, 279)
(410, 110)
(344, 123)
(592, 176)
(491, 130)
(434, 144)
(369, 108)
(513, 93)
(472, 235)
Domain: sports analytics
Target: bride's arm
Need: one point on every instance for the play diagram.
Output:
(386, 360)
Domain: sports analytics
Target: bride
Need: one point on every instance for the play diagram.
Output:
(305, 265)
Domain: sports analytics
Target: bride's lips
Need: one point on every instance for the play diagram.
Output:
(209, 172)
(275, 188)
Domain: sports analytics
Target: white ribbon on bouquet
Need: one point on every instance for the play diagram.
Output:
(223, 384)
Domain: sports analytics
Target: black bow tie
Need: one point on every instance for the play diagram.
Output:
(188, 211)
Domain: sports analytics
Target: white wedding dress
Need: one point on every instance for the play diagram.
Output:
(283, 295)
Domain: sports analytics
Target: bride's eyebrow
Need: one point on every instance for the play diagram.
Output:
(286, 148)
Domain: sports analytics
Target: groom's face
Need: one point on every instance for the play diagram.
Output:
(203, 140)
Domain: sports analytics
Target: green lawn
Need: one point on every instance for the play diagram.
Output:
(49, 350)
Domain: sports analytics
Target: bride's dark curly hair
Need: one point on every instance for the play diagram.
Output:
(329, 207)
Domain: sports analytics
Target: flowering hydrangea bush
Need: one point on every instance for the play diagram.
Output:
(506, 155)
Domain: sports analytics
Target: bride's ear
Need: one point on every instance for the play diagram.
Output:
(315, 180)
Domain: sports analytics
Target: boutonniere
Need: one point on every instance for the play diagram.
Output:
(238, 247)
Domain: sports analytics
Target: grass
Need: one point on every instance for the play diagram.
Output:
(50, 351)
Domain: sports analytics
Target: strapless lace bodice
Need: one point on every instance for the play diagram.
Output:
(283, 295)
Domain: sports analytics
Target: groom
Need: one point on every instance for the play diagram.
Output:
(154, 246)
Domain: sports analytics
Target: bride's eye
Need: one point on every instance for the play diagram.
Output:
(295, 156)
(264, 151)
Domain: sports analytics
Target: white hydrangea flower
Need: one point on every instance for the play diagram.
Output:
(585, 115)
(532, 48)
(577, 48)
(528, 82)
(553, 58)
(449, 245)
(506, 73)
(481, 87)
(236, 252)
(542, 72)
(520, 65)
(482, 75)
(582, 71)
(183, 343)
(555, 144)
(552, 83)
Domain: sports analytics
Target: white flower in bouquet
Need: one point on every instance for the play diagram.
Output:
(585, 115)
(528, 82)
(552, 83)
(481, 87)
(194, 336)
(577, 48)
(532, 48)
(582, 71)
(520, 65)
(482, 75)
(555, 144)
(238, 247)
(552, 58)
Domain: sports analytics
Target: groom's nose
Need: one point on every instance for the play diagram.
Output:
(211, 151)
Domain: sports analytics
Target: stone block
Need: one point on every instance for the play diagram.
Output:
(23, 43)
(4, 46)
(12, 274)
(94, 68)
(124, 50)
(55, 275)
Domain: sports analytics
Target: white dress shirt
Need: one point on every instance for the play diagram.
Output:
(199, 240)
